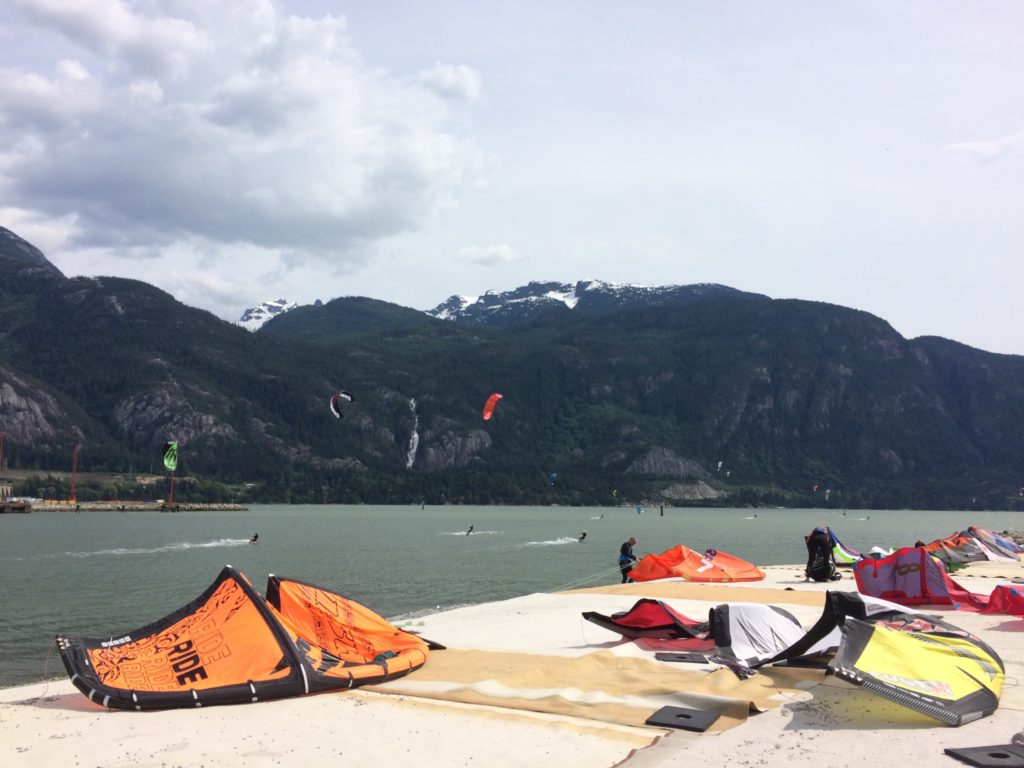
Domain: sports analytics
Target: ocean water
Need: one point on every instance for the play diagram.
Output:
(106, 573)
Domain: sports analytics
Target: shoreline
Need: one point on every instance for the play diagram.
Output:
(131, 506)
(528, 682)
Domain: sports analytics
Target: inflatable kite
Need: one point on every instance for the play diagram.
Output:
(489, 406)
(231, 646)
(912, 576)
(681, 561)
(336, 401)
(653, 619)
(919, 661)
(997, 544)
(170, 454)
(842, 554)
(958, 548)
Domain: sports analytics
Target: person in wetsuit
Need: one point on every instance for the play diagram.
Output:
(821, 563)
(626, 558)
(255, 538)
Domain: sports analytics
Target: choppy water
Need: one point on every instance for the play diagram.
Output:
(105, 573)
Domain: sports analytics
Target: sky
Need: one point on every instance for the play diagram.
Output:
(866, 154)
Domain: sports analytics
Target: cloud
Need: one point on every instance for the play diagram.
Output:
(458, 82)
(489, 255)
(226, 124)
(159, 44)
(987, 151)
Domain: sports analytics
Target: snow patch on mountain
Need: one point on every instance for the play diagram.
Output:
(593, 296)
(255, 317)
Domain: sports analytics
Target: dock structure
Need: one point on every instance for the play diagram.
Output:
(9, 504)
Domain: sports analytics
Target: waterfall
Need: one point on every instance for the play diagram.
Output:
(414, 438)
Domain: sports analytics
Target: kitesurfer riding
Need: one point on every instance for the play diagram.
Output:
(470, 530)
(583, 535)
(255, 538)
(626, 558)
(821, 561)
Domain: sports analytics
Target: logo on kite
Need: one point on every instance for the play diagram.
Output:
(337, 400)
(171, 456)
(489, 406)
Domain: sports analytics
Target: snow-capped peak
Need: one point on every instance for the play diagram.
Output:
(254, 317)
(588, 296)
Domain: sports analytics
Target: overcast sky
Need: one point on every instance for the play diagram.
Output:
(868, 154)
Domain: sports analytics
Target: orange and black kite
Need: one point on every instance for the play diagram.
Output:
(230, 645)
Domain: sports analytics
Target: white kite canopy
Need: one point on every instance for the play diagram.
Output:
(336, 400)
(913, 659)
(758, 634)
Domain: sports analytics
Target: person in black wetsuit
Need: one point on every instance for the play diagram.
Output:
(583, 535)
(821, 563)
(255, 538)
(470, 530)
(626, 558)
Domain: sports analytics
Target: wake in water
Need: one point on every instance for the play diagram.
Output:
(553, 542)
(154, 550)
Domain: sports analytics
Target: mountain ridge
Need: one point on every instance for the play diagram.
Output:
(640, 399)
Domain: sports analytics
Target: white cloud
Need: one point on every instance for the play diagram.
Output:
(229, 124)
(986, 151)
(459, 82)
(489, 255)
(159, 44)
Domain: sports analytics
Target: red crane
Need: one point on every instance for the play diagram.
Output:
(74, 470)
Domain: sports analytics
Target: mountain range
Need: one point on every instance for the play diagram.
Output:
(697, 394)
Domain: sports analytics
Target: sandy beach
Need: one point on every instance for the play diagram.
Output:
(529, 682)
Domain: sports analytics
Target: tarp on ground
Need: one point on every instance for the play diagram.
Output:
(230, 646)
(710, 566)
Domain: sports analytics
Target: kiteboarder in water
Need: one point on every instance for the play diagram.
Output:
(583, 535)
(255, 538)
(470, 530)
(626, 558)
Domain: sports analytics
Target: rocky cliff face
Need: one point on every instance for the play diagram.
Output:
(664, 462)
(165, 412)
(22, 259)
(27, 412)
(450, 449)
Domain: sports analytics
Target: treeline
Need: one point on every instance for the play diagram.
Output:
(474, 488)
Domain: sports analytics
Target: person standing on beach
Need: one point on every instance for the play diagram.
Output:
(626, 558)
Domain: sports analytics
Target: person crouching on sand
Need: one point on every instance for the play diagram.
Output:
(821, 561)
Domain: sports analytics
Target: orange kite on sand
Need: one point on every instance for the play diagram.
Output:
(231, 645)
(681, 561)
